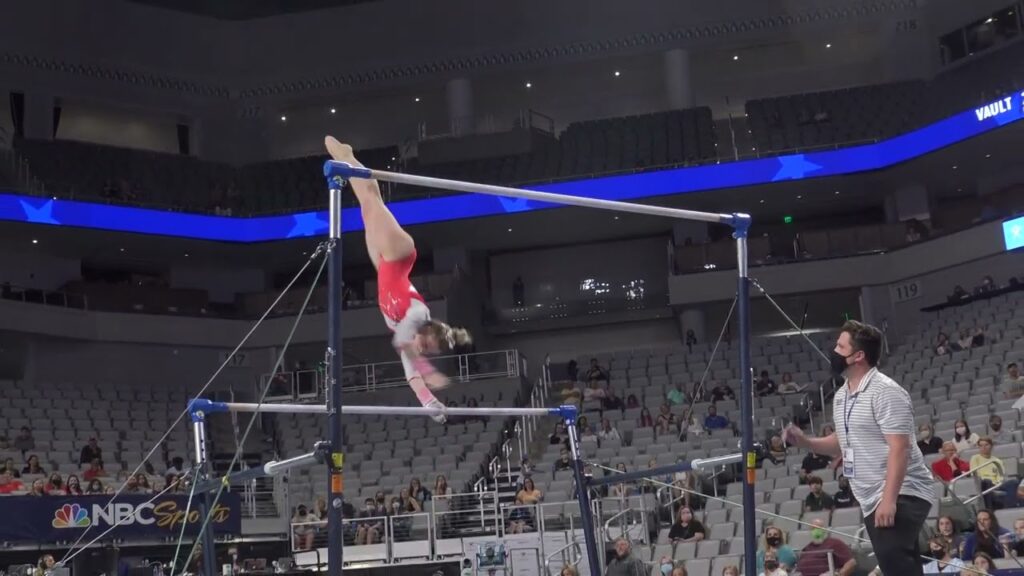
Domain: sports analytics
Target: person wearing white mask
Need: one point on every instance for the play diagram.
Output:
(927, 441)
(963, 437)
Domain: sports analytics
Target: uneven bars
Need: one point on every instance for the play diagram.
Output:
(695, 464)
(209, 407)
(336, 169)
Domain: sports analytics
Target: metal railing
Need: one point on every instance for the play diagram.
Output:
(44, 297)
(308, 385)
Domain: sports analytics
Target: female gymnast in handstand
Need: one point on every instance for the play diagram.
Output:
(393, 253)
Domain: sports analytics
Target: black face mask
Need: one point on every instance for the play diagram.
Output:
(774, 541)
(936, 553)
(771, 564)
(837, 362)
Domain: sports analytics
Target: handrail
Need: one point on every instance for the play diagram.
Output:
(970, 474)
(608, 523)
(577, 553)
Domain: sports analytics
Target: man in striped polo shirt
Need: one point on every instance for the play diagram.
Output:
(874, 437)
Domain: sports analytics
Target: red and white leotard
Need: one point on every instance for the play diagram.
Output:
(404, 310)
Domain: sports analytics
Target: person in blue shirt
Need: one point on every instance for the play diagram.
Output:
(987, 537)
(713, 421)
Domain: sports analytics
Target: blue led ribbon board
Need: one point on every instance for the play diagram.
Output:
(627, 187)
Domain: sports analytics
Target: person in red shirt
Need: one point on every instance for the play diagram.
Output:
(55, 486)
(8, 484)
(950, 465)
(95, 470)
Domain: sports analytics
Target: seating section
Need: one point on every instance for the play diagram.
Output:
(944, 388)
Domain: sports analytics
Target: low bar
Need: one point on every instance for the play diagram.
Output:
(697, 464)
(335, 169)
(209, 407)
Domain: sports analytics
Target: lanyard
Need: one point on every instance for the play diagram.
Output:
(852, 401)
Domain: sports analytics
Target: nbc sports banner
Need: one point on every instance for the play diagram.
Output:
(52, 518)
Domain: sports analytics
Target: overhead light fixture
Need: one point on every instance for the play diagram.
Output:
(122, 249)
(762, 201)
(509, 229)
(837, 192)
(735, 57)
(333, 110)
(416, 99)
(616, 217)
(34, 241)
(186, 254)
(799, 197)
(828, 45)
(617, 74)
(990, 20)
(955, 166)
(529, 84)
(394, 158)
(988, 155)
(284, 118)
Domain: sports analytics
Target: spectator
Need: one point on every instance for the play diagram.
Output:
(694, 429)
(529, 495)
(559, 436)
(172, 483)
(997, 433)
(622, 489)
(676, 396)
(775, 543)
(611, 400)
(595, 373)
(665, 566)
(813, 462)
(977, 337)
(988, 284)
(24, 441)
(645, 420)
(927, 441)
(624, 564)
(765, 386)
(844, 497)
(942, 562)
(95, 470)
(958, 294)
(982, 563)
(990, 470)
(143, 482)
(95, 487)
(418, 491)
(777, 448)
(1013, 382)
(987, 537)
(686, 528)
(950, 466)
(945, 529)
(666, 420)
(608, 432)
(521, 518)
(587, 433)
(10, 468)
(567, 570)
(731, 570)
(131, 486)
(573, 370)
(772, 567)
(32, 466)
(409, 504)
(632, 401)
(55, 485)
(817, 500)
(691, 340)
(814, 557)
(38, 488)
(721, 391)
(563, 463)
(8, 484)
(715, 422)
(45, 565)
(942, 345)
(441, 488)
(371, 524)
(788, 386)
(679, 571)
(177, 467)
(963, 437)
(1018, 533)
(90, 452)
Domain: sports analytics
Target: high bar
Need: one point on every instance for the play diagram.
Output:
(334, 168)
(207, 406)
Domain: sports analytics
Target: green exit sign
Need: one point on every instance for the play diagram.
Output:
(787, 219)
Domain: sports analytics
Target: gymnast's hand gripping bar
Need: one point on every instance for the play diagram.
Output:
(334, 169)
(200, 405)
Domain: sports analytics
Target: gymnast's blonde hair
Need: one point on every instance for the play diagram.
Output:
(448, 338)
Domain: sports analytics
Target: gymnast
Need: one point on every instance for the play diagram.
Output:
(393, 254)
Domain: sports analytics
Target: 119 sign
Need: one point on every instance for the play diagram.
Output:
(905, 291)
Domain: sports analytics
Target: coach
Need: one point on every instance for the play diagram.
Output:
(874, 436)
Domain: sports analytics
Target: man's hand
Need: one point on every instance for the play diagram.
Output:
(792, 434)
(885, 514)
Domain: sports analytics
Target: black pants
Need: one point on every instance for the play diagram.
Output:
(896, 547)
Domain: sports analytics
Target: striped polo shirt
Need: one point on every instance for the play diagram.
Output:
(879, 407)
